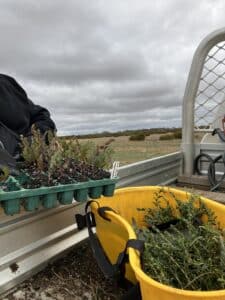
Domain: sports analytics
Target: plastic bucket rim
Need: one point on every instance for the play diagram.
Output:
(134, 257)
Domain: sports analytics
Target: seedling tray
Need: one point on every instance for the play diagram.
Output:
(49, 197)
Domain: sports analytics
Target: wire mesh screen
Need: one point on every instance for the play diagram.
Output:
(210, 97)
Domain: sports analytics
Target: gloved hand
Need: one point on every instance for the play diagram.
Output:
(6, 160)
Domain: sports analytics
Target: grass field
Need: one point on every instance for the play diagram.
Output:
(127, 152)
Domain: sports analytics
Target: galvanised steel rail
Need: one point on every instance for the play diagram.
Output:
(29, 241)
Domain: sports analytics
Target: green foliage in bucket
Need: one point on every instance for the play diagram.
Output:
(184, 246)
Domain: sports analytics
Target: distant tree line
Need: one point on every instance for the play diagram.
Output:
(177, 134)
(136, 132)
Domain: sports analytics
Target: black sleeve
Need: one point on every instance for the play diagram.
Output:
(40, 116)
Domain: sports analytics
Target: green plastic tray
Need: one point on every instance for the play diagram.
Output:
(49, 197)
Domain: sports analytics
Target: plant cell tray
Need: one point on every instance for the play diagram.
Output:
(49, 197)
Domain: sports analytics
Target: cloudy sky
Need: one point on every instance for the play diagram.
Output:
(105, 65)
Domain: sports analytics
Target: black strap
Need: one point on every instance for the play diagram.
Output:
(103, 262)
(213, 181)
(197, 159)
(212, 173)
(134, 293)
(102, 210)
(220, 134)
(81, 220)
(112, 271)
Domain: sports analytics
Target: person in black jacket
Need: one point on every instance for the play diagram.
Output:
(17, 114)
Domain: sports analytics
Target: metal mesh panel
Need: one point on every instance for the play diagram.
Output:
(210, 97)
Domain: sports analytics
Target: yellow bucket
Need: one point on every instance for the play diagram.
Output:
(114, 234)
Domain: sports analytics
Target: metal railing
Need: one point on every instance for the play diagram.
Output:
(204, 97)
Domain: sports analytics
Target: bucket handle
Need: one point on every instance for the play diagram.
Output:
(113, 271)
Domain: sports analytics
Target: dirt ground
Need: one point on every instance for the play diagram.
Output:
(75, 276)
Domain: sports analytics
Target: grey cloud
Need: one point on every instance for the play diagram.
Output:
(66, 70)
(105, 64)
(102, 122)
(114, 98)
